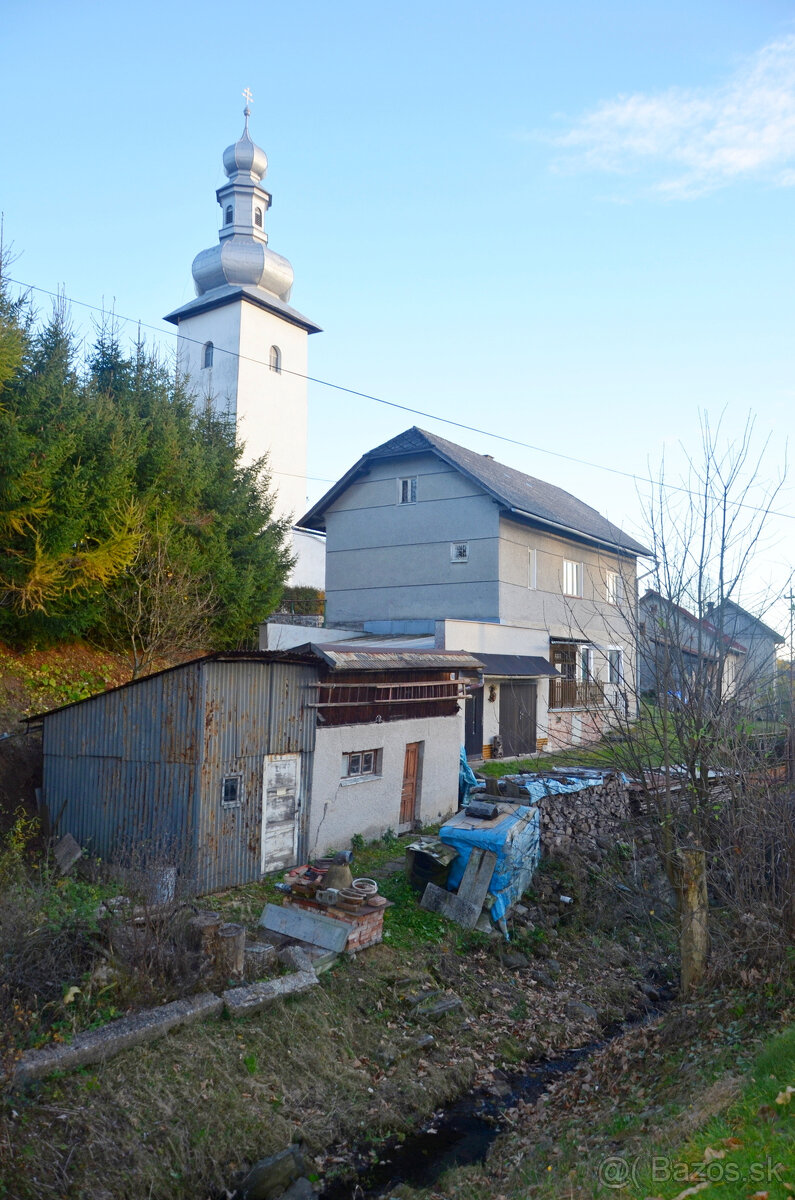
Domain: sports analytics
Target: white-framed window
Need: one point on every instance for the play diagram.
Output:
(572, 577)
(231, 791)
(586, 663)
(614, 587)
(207, 356)
(615, 665)
(532, 568)
(361, 764)
(258, 217)
(459, 552)
(228, 215)
(275, 360)
(407, 490)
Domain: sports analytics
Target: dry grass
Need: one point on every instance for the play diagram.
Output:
(179, 1118)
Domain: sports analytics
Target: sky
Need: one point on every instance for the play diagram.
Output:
(566, 224)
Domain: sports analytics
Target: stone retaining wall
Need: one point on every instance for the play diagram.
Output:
(589, 820)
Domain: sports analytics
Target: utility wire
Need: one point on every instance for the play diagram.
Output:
(418, 412)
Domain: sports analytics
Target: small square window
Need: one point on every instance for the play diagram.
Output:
(231, 791)
(459, 552)
(360, 764)
(407, 490)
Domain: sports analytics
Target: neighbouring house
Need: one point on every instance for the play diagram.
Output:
(678, 651)
(237, 764)
(758, 670)
(429, 541)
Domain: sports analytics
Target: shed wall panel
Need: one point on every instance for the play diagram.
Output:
(252, 709)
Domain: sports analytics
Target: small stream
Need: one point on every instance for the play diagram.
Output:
(461, 1133)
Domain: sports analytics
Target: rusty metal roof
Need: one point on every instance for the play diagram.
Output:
(341, 657)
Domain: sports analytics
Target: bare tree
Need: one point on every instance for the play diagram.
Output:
(696, 752)
(161, 607)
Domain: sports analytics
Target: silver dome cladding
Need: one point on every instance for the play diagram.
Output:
(245, 157)
(243, 261)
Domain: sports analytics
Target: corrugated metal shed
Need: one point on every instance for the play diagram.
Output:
(136, 773)
(139, 774)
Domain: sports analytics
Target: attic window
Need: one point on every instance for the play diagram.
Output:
(459, 552)
(231, 791)
(407, 490)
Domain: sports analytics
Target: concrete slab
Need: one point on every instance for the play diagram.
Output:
(306, 926)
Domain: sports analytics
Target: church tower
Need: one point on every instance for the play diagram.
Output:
(239, 340)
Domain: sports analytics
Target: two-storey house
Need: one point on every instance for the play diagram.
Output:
(426, 538)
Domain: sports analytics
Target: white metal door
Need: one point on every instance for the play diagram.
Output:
(281, 804)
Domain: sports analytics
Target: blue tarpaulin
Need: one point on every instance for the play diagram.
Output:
(514, 836)
(466, 778)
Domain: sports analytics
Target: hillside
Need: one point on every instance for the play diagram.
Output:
(34, 681)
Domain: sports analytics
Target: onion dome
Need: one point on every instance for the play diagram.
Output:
(243, 262)
(244, 157)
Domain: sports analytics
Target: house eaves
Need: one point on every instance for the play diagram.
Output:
(520, 496)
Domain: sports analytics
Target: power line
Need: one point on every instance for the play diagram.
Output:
(418, 412)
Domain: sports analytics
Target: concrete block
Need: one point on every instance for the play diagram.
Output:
(99, 1044)
(242, 1001)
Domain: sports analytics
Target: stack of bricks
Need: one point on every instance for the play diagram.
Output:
(367, 925)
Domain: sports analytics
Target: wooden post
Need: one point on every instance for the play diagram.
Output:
(693, 914)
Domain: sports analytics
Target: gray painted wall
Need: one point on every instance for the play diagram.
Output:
(392, 561)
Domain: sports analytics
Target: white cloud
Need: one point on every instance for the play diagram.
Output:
(693, 141)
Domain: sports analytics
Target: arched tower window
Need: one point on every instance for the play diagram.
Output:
(258, 217)
(207, 360)
(276, 360)
(228, 215)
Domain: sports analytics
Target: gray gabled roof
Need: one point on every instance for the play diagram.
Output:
(761, 626)
(522, 496)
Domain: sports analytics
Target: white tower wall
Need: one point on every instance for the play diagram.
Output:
(269, 407)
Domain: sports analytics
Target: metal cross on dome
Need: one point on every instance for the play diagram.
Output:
(247, 95)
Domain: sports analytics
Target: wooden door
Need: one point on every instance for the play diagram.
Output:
(281, 803)
(518, 717)
(410, 794)
(473, 724)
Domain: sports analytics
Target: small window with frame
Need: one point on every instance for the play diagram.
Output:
(615, 666)
(361, 764)
(407, 490)
(572, 577)
(459, 552)
(614, 587)
(231, 791)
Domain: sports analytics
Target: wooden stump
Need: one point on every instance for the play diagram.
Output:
(204, 931)
(230, 945)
